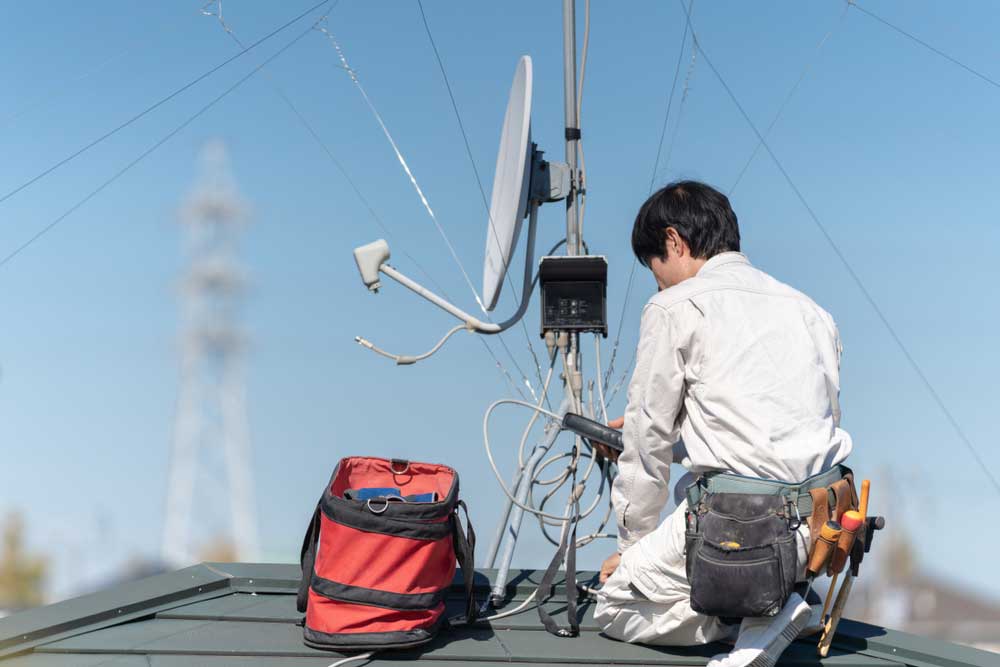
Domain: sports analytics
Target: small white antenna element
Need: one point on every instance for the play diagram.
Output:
(370, 258)
(511, 181)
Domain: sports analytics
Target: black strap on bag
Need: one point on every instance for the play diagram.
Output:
(465, 553)
(307, 558)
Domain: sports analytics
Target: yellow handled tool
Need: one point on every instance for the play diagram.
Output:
(823, 549)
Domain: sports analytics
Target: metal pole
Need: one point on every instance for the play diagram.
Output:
(491, 555)
(573, 247)
(572, 126)
(517, 514)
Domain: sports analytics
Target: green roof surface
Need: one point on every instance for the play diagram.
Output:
(223, 615)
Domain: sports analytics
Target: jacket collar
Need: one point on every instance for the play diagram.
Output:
(722, 259)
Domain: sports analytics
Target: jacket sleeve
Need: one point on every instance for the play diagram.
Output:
(655, 401)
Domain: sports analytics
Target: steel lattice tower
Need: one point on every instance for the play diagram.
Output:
(210, 494)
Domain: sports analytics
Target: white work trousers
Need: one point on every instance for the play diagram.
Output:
(647, 600)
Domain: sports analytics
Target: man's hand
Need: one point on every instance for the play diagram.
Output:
(603, 449)
(610, 565)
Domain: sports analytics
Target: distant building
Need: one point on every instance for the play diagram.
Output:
(902, 596)
(933, 608)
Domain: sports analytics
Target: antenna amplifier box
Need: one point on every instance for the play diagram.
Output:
(574, 293)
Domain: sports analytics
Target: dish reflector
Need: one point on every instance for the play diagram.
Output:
(509, 203)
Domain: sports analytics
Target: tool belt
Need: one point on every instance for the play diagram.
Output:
(741, 550)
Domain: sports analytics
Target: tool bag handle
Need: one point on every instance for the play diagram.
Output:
(307, 557)
(465, 553)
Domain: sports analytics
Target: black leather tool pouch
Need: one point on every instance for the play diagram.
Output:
(741, 554)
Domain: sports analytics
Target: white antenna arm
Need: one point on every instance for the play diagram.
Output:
(372, 259)
(470, 321)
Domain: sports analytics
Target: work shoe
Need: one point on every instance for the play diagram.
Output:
(815, 602)
(815, 623)
(762, 640)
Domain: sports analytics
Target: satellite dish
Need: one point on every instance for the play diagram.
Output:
(511, 181)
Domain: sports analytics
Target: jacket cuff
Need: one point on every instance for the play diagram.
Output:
(625, 539)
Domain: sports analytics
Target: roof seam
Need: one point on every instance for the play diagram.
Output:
(506, 651)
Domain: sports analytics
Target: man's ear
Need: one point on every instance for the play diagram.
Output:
(674, 244)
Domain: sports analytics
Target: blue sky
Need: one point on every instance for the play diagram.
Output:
(891, 145)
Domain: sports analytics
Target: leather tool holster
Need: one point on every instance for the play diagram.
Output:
(831, 502)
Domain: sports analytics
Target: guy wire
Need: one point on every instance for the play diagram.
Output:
(854, 276)
(933, 49)
(205, 10)
(652, 181)
(420, 193)
(479, 181)
(155, 105)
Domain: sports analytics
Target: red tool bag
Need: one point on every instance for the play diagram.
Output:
(376, 571)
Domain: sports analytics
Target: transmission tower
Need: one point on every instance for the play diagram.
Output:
(210, 496)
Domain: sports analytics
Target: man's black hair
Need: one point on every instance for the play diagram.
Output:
(701, 215)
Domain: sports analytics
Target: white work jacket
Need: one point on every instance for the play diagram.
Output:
(739, 371)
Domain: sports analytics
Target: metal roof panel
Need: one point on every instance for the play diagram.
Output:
(222, 615)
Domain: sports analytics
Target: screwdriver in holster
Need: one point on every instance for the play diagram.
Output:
(822, 551)
(824, 548)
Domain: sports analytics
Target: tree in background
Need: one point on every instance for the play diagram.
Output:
(22, 575)
(219, 550)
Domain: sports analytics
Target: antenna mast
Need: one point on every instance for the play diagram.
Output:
(572, 290)
(211, 429)
(573, 241)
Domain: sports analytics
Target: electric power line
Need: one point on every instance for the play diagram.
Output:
(613, 391)
(670, 101)
(121, 172)
(352, 73)
(416, 186)
(685, 91)
(652, 179)
(479, 181)
(343, 170)
(156, 105)
(788, 98)
(56, 89)
(454, 105)
(59, 88)
(929, 47)
(315, 135)
(850, 270)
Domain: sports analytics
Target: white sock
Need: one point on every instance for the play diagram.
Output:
(762, 640)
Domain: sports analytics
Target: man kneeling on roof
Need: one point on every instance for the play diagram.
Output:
(737, 378)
